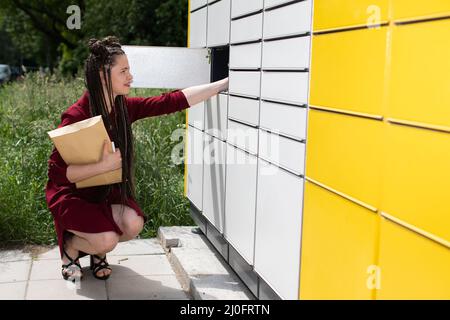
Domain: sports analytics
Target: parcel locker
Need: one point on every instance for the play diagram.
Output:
(245, 83)
(242, 7)
(336, 14)
(214, 181)
(195, 4)
(244, 110)
(416, 10)
(240, 201)
(420, 47)
(338, 247)
(289, 87)
(196, 115)
(354, 144)
(282, 151)
(197, 31)
(218, 23)
(417, 178)
(243, 136)
(247, 29)
(412, 265)
(247, 56)
(287, 54)
(284, 119)
(289, 20)
(278, 228)
(216, 116)
(194, 160)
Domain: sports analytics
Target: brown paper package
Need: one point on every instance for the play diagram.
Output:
(82, 143)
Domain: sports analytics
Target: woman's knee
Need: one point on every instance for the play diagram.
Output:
(105, 241)
(133, 223)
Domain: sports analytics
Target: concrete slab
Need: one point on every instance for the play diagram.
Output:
(199, 261)
(188, 237)
(160, 287)
(51, 269)
(87, 289)
(14, 271)
(137, 247)
(201, 270)
(219, 287)
(14, 255)
(140, 265)
(13, 290)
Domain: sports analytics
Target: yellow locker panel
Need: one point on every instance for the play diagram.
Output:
(343, 152)
(417, 9)
(348, 70)
(338, 247)
(417, 178)
(330, 14)
(412, 266)
(420, 78)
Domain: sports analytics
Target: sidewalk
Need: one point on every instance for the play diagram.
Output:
(140, 270)
(183, 266)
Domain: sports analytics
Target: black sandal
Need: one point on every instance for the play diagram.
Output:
(96, 267)
(75, 262)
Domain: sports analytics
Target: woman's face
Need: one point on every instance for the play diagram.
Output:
(121, 77)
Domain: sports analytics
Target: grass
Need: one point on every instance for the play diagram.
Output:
(30, 108)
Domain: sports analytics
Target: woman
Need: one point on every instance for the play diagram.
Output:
(93, 220)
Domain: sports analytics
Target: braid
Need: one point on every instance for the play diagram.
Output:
(102, 59)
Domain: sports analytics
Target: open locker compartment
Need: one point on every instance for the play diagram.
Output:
(216, 108)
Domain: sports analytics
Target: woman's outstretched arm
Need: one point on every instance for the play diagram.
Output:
(197, 94)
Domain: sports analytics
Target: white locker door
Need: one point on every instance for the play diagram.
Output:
(214, 181)
(216, 112)
(168, 67)
(218, 23)
(196, 115)
(197, 3)
(194, 160)
(278, 229)
(240, 201)
(197, 31)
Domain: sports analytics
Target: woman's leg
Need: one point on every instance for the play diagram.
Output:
(92, 243)
(130, 222)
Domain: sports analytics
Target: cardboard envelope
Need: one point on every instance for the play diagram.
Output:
(82, 143)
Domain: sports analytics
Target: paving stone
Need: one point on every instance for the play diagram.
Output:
(87, 289)
(137, 247)
(14, 255)
(140, 265)
(161, 287)
(187, 237)
(218, 287)
(51, 269)
(14, 271)
(13, 290)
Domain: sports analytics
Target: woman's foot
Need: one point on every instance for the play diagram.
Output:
(100, 267)
(70, 262)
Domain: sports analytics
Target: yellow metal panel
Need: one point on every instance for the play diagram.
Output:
(417, 9)
(338, 247)
(330, 14)
(420, 78)
(343, 152)
(348, 70)
(412, 266)
(417, 178)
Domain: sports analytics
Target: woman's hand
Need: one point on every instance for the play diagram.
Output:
(110, 161)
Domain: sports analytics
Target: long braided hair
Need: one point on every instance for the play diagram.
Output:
(101, 59)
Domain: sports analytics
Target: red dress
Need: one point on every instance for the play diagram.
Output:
(78, 209)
